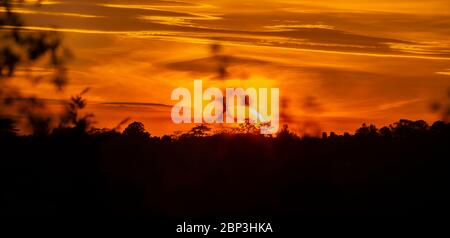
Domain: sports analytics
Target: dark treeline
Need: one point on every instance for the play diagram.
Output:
(402, 169)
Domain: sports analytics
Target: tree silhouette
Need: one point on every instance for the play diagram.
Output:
(19, 50)
(443, 107)
(7, 128)
(247, 128)
(365, 130)
(385, 131)
(71, 117)
(200, 130)
(234, 174)
(407, 128)
(23, 48)
(136, 130)
(74, 170)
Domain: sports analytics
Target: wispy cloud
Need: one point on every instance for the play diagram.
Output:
(145, 104)
(446, 72)
(379, 60)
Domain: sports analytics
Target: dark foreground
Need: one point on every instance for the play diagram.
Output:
(399, 171)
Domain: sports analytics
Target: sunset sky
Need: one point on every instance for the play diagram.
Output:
(337, 63)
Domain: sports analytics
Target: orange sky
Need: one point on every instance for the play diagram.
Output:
(337, 63)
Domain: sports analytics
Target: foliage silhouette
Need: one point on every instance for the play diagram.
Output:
(7, 128)
(397, 170)
(74, 169)
(21, 49)
(136, 130)
(200, 130)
